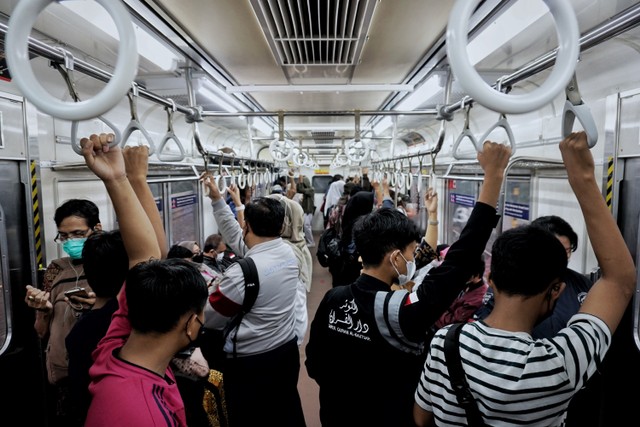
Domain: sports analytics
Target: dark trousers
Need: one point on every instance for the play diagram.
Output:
(264, 387)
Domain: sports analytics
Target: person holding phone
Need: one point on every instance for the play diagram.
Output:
(76, 220)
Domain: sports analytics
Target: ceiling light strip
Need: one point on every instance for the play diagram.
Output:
(322, 88)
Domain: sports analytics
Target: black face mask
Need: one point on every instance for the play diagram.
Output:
(193, 344)
(197, 258)
(548, 314)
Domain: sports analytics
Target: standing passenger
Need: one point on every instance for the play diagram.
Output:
(293, 235)
(305, 188)
(106, 265)
(263, 359)
(161, 310)
(577, 285)
(76, 220)
(365, 347)
(331, 197)
(514, 378)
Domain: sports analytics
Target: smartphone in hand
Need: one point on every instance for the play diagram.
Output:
(76, 292)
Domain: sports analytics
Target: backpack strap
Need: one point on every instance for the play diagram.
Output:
(251, 289)
(251, 283)
(456, 374)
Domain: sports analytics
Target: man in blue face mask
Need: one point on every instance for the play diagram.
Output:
(76, 219)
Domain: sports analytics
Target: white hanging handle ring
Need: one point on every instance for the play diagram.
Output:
(281, 150)
(242, 180)
(566, 59)
(583, 113)
(574, 107)
(75, 141)
(504, 124)
(22, 21)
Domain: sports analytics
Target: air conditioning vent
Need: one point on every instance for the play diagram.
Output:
(306, 33)
(323, 137)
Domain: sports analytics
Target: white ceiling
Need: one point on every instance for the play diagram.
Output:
(231, 44)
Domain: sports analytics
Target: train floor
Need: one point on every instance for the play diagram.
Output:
(307, 387)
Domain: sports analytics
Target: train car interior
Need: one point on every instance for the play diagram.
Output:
(405, 90)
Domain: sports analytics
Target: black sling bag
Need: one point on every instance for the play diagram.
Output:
(251, 289)
(212, 345)
(458, 380)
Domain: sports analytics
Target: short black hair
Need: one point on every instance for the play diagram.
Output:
(160, 292)
(265, 216)
(105, 262)
(558, 226)
(78, 207)
(212, 242)
(382, 231)
(525, 260)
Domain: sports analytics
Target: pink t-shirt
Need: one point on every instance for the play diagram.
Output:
(124, 394)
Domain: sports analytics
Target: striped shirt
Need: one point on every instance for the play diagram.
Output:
(514, 379)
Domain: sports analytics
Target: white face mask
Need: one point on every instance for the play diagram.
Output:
(219, 256)
(411, 270)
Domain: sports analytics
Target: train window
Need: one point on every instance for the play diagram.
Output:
(517, 207)
(156, 190)
(462, 195)
(321, 183)
(183, 211)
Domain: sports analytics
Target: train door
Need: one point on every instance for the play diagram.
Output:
(21, 368)
(320, 184)
(621, 367)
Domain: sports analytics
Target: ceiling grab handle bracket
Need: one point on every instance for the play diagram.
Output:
(357, 150)
(250, 137)
(66, 72)
(566, 58)
(574, 107)
(394, 135)
(281, 149)
(134, 124)
(466, 133)
(170, 135)
(22, 21)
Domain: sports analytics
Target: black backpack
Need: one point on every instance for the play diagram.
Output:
(329, 248)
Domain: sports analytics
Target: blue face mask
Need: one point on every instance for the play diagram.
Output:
(73, 247)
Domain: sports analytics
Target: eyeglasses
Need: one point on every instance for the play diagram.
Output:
(76, 234)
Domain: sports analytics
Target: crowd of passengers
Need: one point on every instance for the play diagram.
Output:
(128, 351)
